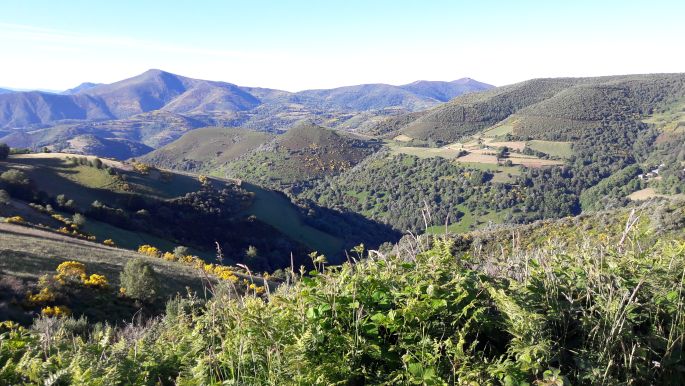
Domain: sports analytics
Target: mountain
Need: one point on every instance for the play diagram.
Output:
(5, 91)
(444, 91)
(81, 87)
(147, 100)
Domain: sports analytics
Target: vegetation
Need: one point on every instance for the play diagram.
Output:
(411, 193)
(579, 301)
(139, 281)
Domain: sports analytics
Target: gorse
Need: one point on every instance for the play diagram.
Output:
(584, 306)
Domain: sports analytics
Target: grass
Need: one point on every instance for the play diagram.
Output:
(425, 152)
(468, 222)
(553, 148)
(671, 119)
(85, 184)
(276, 210)
(499, 131)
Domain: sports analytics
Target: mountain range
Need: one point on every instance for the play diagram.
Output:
(101, 109)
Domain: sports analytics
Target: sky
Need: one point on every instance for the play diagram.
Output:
(296, 45)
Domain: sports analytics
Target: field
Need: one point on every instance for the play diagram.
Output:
(553, 148)
(670, 119)
(483, 151)
(468, 222)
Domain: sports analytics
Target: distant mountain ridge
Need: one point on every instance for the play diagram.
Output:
(81, 87)
(160, 90)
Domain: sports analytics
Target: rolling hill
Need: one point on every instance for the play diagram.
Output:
(550, 107)
(206, 148)
(305, 152)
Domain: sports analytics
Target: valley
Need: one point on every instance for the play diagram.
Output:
(360, 214)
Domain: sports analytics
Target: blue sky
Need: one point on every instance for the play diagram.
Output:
(296, 45)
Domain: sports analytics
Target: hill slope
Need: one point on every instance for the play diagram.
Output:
(304, 152)
(563, 103)
(206, 148)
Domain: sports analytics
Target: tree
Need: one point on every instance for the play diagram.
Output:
(4, 151)
(139, 280)
(78, 219)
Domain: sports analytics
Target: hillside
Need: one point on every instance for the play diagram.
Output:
(26, 254)
(563, 103)
(303, 153)
(206, 148)
(563, 302)
(133, 204)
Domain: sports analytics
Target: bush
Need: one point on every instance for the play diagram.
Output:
(181, 251)
(14, 177)
(78, 219)
(139, 280)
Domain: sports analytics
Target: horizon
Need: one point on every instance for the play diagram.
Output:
(52, 91)
(306, 45)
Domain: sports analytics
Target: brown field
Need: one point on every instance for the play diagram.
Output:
(403, 138)
(644, 194)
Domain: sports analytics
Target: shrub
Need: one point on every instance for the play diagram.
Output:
(14, 177)
(56, 311)
(70, 271)
(181, 251)
(45, 295)
(15, 220)
(139, 280)
(78, 219)
(95, 280)
(109, 242)
(149, 250)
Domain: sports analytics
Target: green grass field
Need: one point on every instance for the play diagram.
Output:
(85, 184)
(553, 148)
(499, 130)
(468, 222)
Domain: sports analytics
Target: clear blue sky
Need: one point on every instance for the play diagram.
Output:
(296, 45)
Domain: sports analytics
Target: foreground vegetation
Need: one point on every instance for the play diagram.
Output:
(593, 300)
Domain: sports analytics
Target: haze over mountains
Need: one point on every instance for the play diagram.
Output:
(156, 89)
